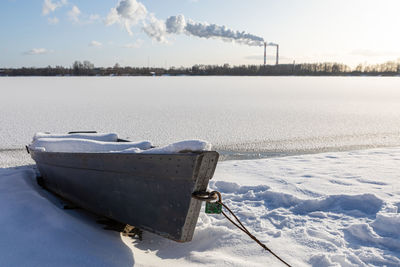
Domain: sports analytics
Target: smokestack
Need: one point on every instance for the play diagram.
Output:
(265, 53)
(277, 54)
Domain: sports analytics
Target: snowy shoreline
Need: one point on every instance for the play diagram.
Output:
(327, 209)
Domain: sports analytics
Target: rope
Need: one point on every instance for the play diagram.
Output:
(215, 196)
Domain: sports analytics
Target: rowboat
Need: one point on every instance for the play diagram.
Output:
(151, 190)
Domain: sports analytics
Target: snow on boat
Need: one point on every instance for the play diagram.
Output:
(130, 182)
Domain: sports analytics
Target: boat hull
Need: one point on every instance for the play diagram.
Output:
(148, 191)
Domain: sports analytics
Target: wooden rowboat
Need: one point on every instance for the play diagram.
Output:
(152, 192)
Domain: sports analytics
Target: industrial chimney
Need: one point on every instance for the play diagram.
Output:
(265, 53)
(277, 54)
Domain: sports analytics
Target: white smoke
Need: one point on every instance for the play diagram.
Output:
(204, 30)
(178, 24)
(155, 28)
(132, 12)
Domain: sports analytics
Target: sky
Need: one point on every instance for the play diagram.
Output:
(178, 33)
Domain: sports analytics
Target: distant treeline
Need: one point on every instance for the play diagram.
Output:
(86, 68)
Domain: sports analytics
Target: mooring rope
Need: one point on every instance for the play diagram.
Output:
(215, 196)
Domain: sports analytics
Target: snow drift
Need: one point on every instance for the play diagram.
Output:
(105, 137)
(330, 209)
(68, 144)
(85, 145)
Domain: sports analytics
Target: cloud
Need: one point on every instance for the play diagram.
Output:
(93, 18)
(136, 44)
(112, 17)
(127, 13)
(175, 24)
(82, 18)
(372, 53)
(37, 51)
(95, 44)
(49, 6)
(53, 21)
(74, 14)
(131, 10)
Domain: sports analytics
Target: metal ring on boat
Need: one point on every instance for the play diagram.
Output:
(207, 196)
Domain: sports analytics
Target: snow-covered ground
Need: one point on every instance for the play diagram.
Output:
(329, 209)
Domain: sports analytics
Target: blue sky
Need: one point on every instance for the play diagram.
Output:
(352, 31)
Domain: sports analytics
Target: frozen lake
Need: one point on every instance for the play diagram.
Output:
(247, 116)
(326, 209)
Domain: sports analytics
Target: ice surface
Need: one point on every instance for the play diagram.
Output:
(329, 209)
(259, 114)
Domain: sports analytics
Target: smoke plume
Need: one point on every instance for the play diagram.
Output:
(155, 28)
(132, 12)
(178, 25)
